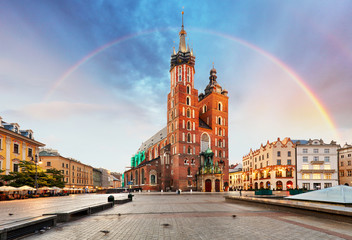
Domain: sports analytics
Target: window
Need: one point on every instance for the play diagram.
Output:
(0, 143)
(348, 155)
(342, 156)
(316, 150)
(30, 153)
(305, 150)
(219, 120)
(289, 153)
(66, 165)
(342, 173)
(185, 162)
(189, 125)
(278, 153)
(289, 162)
(63, 165)
(327, 176)
(15, 167)
(189, 150)
(267, 155)
(306, 186)
(326, 159)
(73, 167)
(188, 113)
(48, 164)
(305, 159)
(15, 148)
(327, 166)
(278, 162)
(349, 163)
(305, 176)
(316, 176)
(204, 108)
(316, 167)
(305, 166)
(187, 74)
(316, 158)
(327, 150)
(349, 173)
(220, 106)
(341, 164)
(188, 89)
(327, 185)
(180, 74)
(189, 139)
(188, 101)
(188, 171)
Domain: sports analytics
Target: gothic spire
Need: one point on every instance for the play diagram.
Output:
(182, 45)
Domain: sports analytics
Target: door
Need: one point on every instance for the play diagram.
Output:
(217, 185)
(208, 185)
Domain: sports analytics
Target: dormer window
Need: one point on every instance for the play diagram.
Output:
(15, 129)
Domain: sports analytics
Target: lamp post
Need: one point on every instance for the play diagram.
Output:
(35, 160)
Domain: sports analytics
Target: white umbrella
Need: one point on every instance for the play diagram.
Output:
(8, 189)
(26, 188)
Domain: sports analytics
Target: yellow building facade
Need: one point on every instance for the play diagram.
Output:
(272, 166)
(16, 145)
(76, 174)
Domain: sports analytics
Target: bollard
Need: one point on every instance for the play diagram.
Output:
(111, 199)
(130, 196)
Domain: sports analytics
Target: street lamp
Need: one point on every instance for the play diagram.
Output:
(35, 160)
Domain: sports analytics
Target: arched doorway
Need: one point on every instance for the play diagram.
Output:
(256, 186)
(217, 185)
(208, 185)
(261, 185)
(289, 185)
(267, 185)
(278, 185)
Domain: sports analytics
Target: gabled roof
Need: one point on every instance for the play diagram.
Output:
(162, 134)
(337, 194)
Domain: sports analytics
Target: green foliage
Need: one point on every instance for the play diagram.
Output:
(50, 178)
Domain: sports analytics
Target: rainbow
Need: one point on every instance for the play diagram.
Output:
(284, 67)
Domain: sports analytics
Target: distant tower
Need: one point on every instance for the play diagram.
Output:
(183, 117)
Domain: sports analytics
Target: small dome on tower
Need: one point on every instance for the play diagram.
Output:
(213, 71)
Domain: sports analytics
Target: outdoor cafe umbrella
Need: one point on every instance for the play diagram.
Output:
(26, 188)
(8, 189)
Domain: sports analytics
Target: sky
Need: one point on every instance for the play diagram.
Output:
(91, 78)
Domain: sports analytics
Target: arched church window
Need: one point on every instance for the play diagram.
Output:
(172, 127)
(219, 120)
(185, 161)
(152, 179)
(179, 73)
(204, 108)
(189, 150)
(172, 139)
(204, 142)
(188, 77)
(220, 106)
(189, 138)
(188, 101)
(143, 180)
(220, 132)
(188, 113)
(189, 125)
(188, 171)
(188, 89)
(220, 153)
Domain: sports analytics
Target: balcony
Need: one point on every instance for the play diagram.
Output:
(317, 162)
(318, 171)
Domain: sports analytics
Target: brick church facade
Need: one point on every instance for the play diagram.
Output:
(191, 152)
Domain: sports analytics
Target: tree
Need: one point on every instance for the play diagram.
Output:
(27, 176)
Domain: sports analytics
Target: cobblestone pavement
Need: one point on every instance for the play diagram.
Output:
(166, 216)
(26, 208)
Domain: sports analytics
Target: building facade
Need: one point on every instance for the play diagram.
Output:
(272, 166)
(191, 152)
(345, 165)
(235, 177)
(97, 178)
(76, 174)
(15, 146)
(317, 164)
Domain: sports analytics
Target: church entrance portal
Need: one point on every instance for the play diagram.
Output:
(208, 185)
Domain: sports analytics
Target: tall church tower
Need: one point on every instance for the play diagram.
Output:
(183, 117)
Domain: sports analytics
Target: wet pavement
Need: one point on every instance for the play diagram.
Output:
(196, 216)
